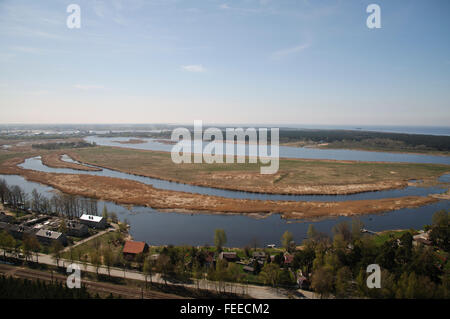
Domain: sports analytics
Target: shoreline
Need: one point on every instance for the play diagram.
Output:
(125, 192)
(326, 189)
(323, 147)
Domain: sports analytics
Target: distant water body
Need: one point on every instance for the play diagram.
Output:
(287, 151)
(426, 130)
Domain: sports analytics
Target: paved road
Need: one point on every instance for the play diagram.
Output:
(257, 292)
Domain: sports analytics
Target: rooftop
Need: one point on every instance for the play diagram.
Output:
(48, 234)
(134, 247)
(91, 218)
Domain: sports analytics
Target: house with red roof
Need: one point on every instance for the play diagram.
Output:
(134, 248)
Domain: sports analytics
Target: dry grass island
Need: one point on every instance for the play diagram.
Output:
(295, 177)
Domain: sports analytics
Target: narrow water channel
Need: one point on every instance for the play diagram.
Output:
(35, 163)
(163, 228)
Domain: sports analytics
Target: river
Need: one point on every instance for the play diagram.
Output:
(162, 228)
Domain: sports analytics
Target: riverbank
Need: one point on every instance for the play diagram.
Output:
(54, 160)
(295, 176)
(131, 141)
(128, 192)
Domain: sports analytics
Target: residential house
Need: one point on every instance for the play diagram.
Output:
(48, 237)
(422, 238)
(229, 256)
(20, 231)
(76, 229)
(93, 221)
(134, 248)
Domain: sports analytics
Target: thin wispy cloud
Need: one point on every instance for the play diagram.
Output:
(280, 54)
(88, 87)
(197, 68)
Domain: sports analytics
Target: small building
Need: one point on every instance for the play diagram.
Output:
(134, 248)
(93, 221)
(48, 237)
(422, 238)
(229, 256)
(76, 229)
(20, 231)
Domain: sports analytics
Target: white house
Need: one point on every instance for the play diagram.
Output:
(93, 221)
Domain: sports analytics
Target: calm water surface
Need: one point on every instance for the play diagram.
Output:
(290, 152)
(157, 228)
(35, 163)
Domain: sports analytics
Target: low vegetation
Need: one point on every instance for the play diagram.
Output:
(377, 141)
(62, 145)
(14, 288)
(295, 176)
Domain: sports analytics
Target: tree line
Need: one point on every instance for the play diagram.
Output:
(14, 288)
(433, 142)
(61, 204)
(337, 266)
(56, 146)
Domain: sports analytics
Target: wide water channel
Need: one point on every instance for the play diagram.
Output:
(158, 228)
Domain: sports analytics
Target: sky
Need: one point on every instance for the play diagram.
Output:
(247, 61)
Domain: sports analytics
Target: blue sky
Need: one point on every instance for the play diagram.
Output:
(248, 61)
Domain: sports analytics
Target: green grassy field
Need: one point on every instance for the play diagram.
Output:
(382, 237)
